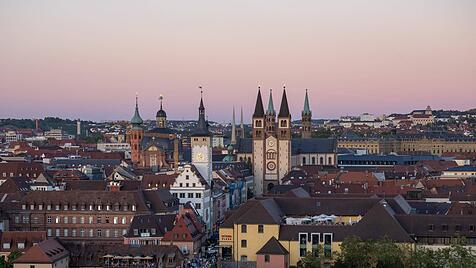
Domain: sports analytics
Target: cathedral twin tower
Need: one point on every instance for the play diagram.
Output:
(272, 141)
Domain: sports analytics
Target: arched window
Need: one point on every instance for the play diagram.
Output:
(321, 160)
(313, 160)
(329, 162)
(303, 160)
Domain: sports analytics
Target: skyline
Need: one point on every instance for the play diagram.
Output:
(353, 56)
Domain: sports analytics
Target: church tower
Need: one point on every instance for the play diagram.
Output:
(135, 134)
(233, 129)
(161, 116)
(258, 144)
(270, 116)
(306, 119)
(284, 137)
(201, 142)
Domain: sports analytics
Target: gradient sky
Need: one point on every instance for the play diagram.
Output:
(86, 59)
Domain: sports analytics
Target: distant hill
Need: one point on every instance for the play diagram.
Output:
(46, 123)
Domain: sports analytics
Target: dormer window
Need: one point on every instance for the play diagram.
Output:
(6, 245)
(32, 207)
(65, 207)
(108, 207)
(40, 207)
(90, 207)
(152, 231)
(21, 245)
(133, 207)
(23, 207)
(57, 207)
(99, 207)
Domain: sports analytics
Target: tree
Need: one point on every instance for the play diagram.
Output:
(309, 261)
(8, 262)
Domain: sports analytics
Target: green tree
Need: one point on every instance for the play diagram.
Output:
(309, 261)
(8, 262)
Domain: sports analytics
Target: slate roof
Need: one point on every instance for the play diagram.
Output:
(305, 146)
(161, 223)
(259, 110)
(284, 109)
(273, 247)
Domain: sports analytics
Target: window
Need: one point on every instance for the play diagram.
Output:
(266, 258)
(82, 220)
(58, 232)
(91, 220)
(243, 228)
(98, 220)
(328, 245)
(49, 232)
(48, 219)
(471, 228)
(116, 220)
(315, 244)
(431, 227)
(302, 244)
(198, 195)
(73, 233)
(57, 219)
(182, 195)
(6, 245)
(458, 228)
(244, 243)
(198, 205)
(21, 245)
(91, 232)
(260, 229)
(190, 195)
(444, 227)
(65, 232)
(124, 220)
(65, 219)
(73, 220)
(99, 232)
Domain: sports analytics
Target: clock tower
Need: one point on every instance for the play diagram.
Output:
(201, 142)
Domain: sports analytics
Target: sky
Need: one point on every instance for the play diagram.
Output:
(87, 59)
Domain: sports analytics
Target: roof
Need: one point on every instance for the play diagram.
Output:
(284, 109)
(48, 251)
(136, 119)
(161, 224)
(306, 110)
(29, 238)
(259, 110)
(318, 145)
(273, 247)
(463, 168)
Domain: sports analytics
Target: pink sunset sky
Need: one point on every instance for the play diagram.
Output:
(87, 59)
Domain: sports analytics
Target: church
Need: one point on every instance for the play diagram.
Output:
(156, 148)
(273, 151)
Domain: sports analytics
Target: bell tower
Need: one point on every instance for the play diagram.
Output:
(161, 116)
(135, 134)
(284, 137)
(258, 126)
(306, 119)
(201, 142)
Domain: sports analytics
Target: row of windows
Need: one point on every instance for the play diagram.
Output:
(11, 174)
(457, 227)
(86, 232)
(82, 207)
(71, 219)
(244, 228)
(189, 195)
(187, 184)
(313, 160)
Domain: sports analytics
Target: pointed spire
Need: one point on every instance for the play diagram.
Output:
(284, 109)
(202, 126)
(270, 110)
(259, 110)
(242, 126)
(136, 119)
(233, 129)
(306, 110)
(161, 112)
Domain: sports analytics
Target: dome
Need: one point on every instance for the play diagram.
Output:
(161, 113)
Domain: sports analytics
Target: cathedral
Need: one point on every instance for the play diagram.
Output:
(273, 151)
(156, 148)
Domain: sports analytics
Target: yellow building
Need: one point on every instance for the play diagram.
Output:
(304, 225)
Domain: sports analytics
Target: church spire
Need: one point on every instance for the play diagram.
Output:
(306, 110)
(242, 127)
(202, 125)
(284, 109)
(259, 110)
(233, 129)
(270, 110)
(136, 119)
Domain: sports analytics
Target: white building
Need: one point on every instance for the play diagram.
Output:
(114, 147)
(191, 186)
(12, 136)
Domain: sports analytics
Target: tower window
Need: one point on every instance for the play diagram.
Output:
(284, 123)
(258, 123)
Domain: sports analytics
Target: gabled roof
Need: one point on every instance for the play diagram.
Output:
(48, 251)
(273, 247)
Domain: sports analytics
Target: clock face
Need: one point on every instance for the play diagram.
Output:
(271, 166)
(200, 157)
(270, 143)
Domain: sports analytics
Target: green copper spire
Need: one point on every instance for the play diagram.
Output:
(306, 110)
(270, 104)
(136, 119)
